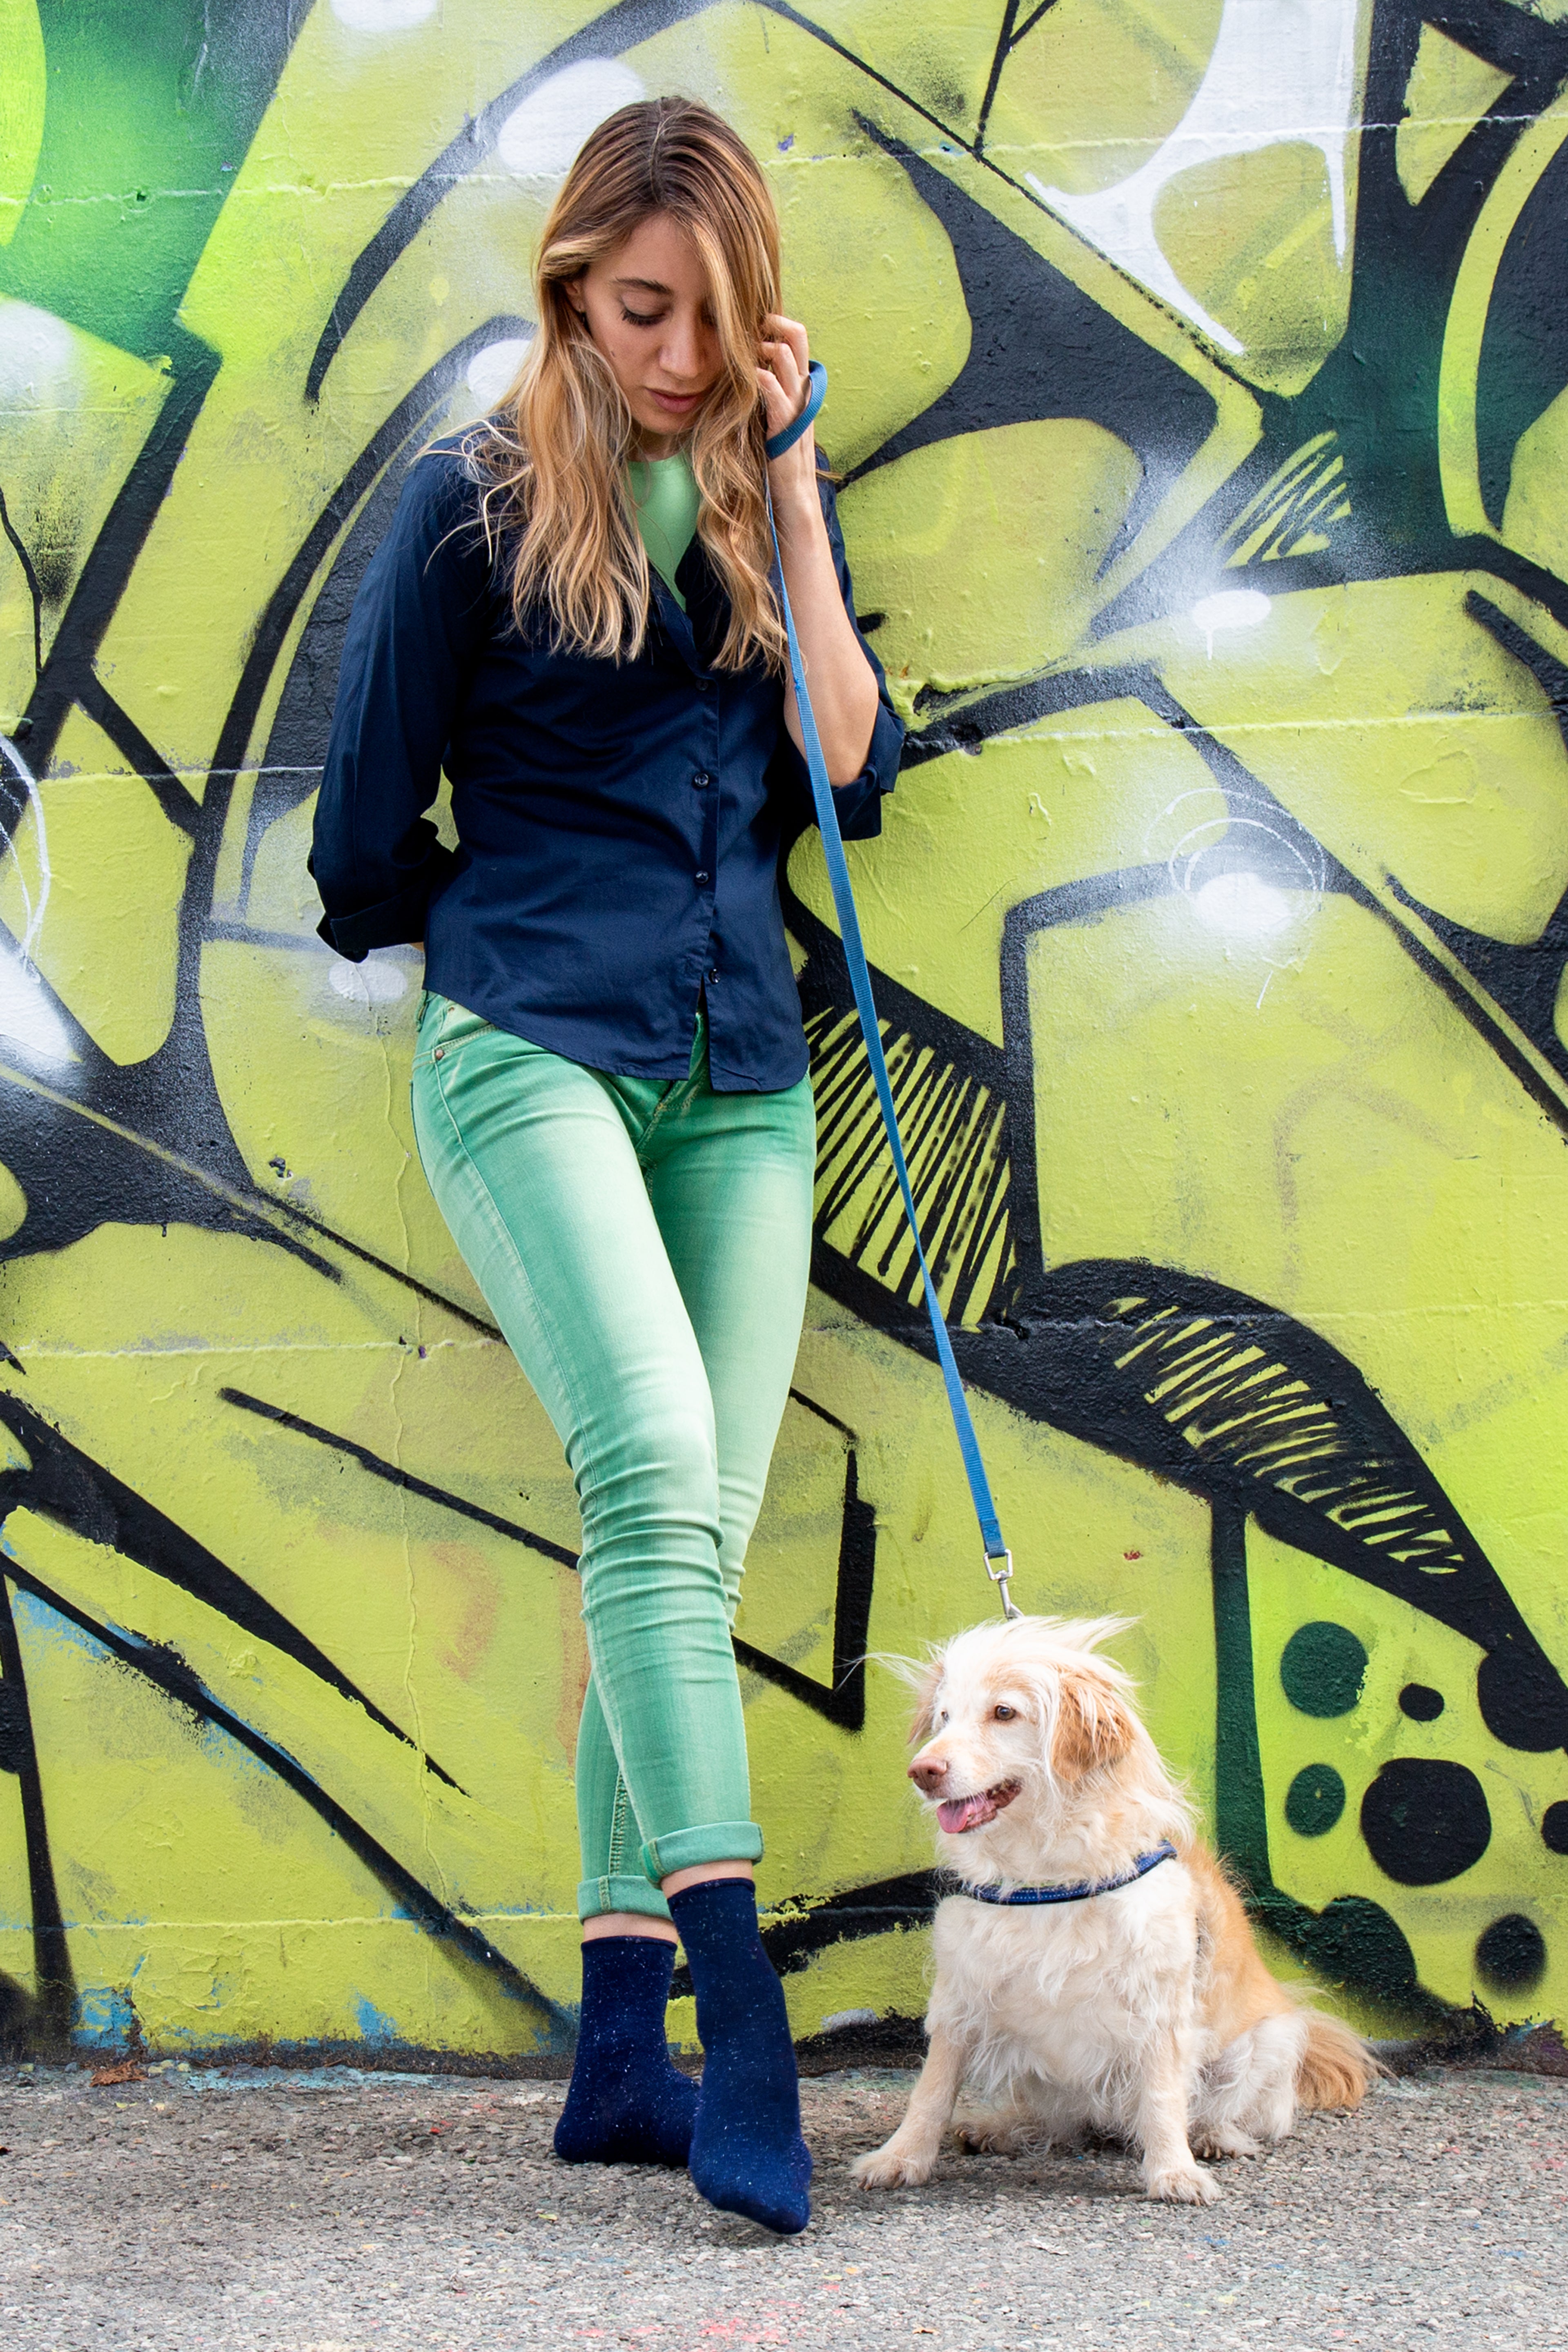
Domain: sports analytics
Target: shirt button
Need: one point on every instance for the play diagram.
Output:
(701, 684)
(700, 875)
(713, 977)
(702, 781)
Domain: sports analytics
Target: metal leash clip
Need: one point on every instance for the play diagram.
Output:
(1001, 1578)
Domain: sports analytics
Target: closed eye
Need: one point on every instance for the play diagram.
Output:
(641, 317)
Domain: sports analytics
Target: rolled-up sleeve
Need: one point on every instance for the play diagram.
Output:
(859, 803)
(420, 610)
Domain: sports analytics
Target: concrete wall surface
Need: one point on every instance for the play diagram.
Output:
(1198, 377)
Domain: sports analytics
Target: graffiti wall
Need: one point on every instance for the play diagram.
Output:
(1198, 391)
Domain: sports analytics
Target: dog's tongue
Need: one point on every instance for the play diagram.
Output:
(961, 1814)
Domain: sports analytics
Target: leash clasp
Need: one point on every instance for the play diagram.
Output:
(1001, 1578)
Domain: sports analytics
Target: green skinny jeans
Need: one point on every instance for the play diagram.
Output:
(644, 1245)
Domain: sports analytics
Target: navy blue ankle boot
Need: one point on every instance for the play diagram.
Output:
(626, 2102)
(747, 2154)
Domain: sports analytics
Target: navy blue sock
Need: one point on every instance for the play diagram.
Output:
(626, 2102)
(747, 2154)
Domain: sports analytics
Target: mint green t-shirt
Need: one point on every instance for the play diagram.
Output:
(665, 499)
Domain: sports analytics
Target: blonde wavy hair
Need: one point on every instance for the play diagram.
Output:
(553, 457)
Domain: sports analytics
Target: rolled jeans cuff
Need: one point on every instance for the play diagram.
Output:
(596, 1896)
(714, 1841)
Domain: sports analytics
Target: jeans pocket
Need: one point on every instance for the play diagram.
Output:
(444, 1026)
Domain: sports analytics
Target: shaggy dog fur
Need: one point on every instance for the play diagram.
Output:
(1145, 2014)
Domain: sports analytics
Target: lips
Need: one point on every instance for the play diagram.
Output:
(959, 1814)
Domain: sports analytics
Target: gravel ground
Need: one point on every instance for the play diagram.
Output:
(330, 2211)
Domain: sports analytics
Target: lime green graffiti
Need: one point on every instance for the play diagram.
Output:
(21, 89)
(1198, 404)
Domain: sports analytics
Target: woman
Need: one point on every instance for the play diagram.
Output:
(572, 613)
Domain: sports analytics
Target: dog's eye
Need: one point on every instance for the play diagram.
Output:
(1005, 1713)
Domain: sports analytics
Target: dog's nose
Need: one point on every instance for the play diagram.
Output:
(929, 1772)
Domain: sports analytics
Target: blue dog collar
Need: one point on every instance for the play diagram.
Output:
(1079, 1894)
(808, 415)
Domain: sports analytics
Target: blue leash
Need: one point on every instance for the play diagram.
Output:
(1081, 1892)
(860, 980)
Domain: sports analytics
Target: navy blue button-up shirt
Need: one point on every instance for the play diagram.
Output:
(618, 824)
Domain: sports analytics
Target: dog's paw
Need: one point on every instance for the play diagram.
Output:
(1224, 2140)
(1182, 2185)
(992, 2135)
(892, 2168)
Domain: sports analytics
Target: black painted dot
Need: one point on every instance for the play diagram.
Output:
(1554, 1827)
(1314, 1800)
(1323, 1669)
(1420, 1703)
(1511, 1953)
(1425, 1821)
(1354, 1941)
(1522, 1698)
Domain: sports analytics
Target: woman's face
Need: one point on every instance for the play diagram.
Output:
(646, 306)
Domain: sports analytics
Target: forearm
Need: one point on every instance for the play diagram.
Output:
(842, 689)
(375, 856)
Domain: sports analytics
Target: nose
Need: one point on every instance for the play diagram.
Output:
(929, 1772)
(682, 351)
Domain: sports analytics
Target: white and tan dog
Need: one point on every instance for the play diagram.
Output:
(1142, 2014)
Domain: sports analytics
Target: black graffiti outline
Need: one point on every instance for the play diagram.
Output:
(1528, 981)
(113, 557)
(1007, 40)
(841, 1700)
(1193, 559)
(54, 1999)
(159, 1102)
(1528, 576)
(1523, 1699)
(34, 586)
(1218, 758)
(1428, 241)
(625, 25)
(965, 722)
(169, 1674)
(67, 1487)
(394, 1476)
(189, 1050)
(872, 75)
(1012, 373)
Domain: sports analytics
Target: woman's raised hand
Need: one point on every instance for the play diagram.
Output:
(784, 380)
(843, 687)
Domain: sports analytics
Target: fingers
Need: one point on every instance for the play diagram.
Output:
(790, 332)
(784, 351)
(779, 358)
(782, 374)
(779, 404)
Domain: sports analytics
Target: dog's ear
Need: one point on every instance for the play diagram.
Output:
(926, 1684)
(1094, 1725)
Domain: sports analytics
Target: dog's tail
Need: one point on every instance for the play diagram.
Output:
(1336, 2068)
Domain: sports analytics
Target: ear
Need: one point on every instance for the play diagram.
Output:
(926, 1687)
(1094, 1726)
